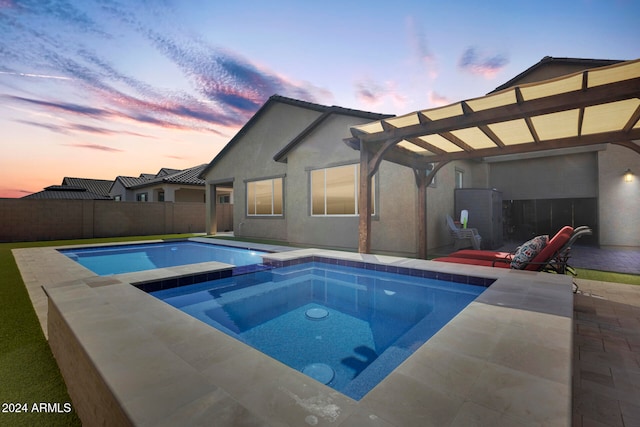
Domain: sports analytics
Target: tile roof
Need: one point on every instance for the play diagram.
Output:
(166, 171)
(97, 186)
(184, 177)
(131, 181)
(67, 192)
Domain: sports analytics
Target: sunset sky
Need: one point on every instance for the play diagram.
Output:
(97, 89)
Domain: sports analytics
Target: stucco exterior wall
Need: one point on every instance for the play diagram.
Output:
(250, 158)
(619, 202)
(394, 224)
(119, 190)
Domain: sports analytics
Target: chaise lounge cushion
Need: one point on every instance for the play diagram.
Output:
(503, 260)
(554, 245)
(474, 261)
(481, 254)
(528, 251)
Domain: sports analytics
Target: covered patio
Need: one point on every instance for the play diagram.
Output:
(596, 106)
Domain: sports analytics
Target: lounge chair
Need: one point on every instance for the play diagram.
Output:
(463, 237)
(552, 257)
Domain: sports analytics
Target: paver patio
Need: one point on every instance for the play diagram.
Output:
(606, 370)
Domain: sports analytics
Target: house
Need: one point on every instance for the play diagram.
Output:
(168, 185)
(294, 180)
(76, 189)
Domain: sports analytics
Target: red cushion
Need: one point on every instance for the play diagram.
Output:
(557, 242)
(472, 261)
(475, 254)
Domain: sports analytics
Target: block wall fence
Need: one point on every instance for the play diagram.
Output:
(23, 220)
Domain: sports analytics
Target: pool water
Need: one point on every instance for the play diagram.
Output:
(346, 327)
(120, 259)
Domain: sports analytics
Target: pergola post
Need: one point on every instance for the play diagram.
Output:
(212, 219)
(421, 182)
(364, 202)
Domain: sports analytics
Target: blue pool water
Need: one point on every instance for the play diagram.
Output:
(344, 326)
(107, 260)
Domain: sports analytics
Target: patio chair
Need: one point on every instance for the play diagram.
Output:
(553, 257)
(463, 237)
(500, 255)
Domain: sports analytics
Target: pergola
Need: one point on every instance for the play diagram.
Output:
(599, 105)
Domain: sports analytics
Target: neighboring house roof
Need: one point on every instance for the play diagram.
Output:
(67, 192)
(97, 186)
(284, 100)
(166, 171)
(131, 181)
(182, 177)
(551, 61)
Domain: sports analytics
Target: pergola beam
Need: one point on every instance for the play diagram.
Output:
(551, 104)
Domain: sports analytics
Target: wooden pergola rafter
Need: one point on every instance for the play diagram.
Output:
(600, 105)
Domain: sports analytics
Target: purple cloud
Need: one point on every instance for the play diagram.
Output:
(95, 147)
(70, 128)
(63, 106)
(474, 62)
(226, 88)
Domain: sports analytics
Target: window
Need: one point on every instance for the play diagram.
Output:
(334, 191)
(264, 197)
(142, 197)
(118, 198)
(459, 178)
(161, 196)
(224, 199)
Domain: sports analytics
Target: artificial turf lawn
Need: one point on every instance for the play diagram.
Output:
(28, 371)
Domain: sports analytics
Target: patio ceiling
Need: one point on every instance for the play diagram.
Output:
(589, 107)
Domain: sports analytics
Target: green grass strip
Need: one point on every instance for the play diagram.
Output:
(28, 371)
(608, 276)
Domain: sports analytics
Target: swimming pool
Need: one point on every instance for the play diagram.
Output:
(119, 259)
(344, 326)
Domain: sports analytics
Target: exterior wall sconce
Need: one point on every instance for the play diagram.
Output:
(628, 176)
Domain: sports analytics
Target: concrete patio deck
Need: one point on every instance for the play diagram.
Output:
(606, 358)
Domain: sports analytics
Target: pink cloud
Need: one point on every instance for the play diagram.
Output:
(371, 93)
(438, 100)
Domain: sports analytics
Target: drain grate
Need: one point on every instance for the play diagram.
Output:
(316, 313)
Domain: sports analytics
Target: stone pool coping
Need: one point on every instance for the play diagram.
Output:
(130, 359)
